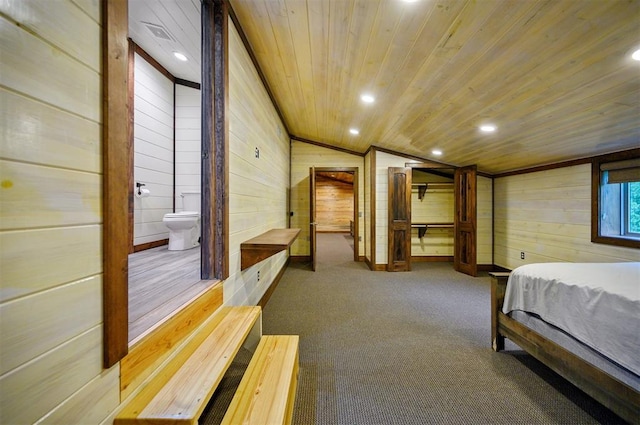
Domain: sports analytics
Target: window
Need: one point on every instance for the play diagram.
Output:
(616, 206)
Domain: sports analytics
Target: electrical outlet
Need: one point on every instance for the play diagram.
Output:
(522, 255)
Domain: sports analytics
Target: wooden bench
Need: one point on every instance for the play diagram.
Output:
(267, 391)
(179, 392)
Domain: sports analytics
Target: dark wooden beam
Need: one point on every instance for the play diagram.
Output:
(117, 197)
(215, 139)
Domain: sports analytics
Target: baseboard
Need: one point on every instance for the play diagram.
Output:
(492, 268)
(346, 232)
(265, 297)
(361, 259)
(299, 258)
(378, 267)
(432, 259)
(149, 245)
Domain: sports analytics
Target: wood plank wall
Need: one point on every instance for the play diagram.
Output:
(258, 187)
(484, 214)
(51, 215)
(334, 205)
(188, 144)
(435, 206)
(547, 215)
(303, 156)
(383, 162)
(153, 158)
(367, 222)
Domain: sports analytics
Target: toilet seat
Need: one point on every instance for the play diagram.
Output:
(183, 214)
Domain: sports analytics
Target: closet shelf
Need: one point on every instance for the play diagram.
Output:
(423, 187)
(422, 227)
(265, 245)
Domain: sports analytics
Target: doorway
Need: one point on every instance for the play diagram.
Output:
(401, 222)
(334, 213)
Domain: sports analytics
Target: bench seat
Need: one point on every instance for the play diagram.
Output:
(266, 393)
(179, 392)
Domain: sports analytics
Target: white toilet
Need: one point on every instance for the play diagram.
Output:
(184, 227)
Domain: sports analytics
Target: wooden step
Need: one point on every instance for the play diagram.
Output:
(181, 390)
(267, 391)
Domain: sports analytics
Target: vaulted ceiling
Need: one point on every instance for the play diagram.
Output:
(555, 78)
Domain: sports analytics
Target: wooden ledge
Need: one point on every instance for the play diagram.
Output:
(265, 245)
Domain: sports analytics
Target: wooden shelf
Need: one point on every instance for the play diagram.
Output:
(422, 227)
(265, 245)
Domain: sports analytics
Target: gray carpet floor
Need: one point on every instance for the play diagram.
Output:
(406, 348)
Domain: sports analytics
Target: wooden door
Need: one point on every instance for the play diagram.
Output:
(312, 217)
(464, 221)
(399, 242)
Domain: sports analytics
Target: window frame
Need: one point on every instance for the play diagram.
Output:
(596, 178)
(626, 196)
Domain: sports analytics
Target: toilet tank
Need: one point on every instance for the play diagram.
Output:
(191, 201)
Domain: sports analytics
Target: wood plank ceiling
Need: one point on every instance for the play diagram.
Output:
(555, 77)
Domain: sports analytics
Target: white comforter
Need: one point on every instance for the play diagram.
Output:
(596, 303)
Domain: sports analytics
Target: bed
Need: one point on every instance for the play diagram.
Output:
(580, 319)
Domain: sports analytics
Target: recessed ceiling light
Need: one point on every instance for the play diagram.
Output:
(636, 55)
(488, 128)
(436, 152)
(354, 131)
(367, 98)
(180, 56)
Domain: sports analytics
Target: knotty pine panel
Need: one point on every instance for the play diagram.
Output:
(366, 206)
(63, 82)
(90, 7)
(484, 214)
(36, 259)
(436, 206)
(38, 133)
(434, 68)
(436, 242)
(92, 404)
(304, 156)
(37, 196)
(547, 215)
(334, 204)
(32, 391)
(258, 194)
(51, 300)
(51, 317)
(67, 27)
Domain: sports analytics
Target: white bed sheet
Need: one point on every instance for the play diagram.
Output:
(596, 303)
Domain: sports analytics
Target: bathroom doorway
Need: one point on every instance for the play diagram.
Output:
(335, 204)
(166, 158)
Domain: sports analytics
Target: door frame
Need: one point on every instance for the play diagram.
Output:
(356, 206)
(433, 168)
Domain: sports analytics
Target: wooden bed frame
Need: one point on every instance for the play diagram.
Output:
(610, 392)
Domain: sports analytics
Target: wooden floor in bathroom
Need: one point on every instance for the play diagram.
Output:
(160, 281)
